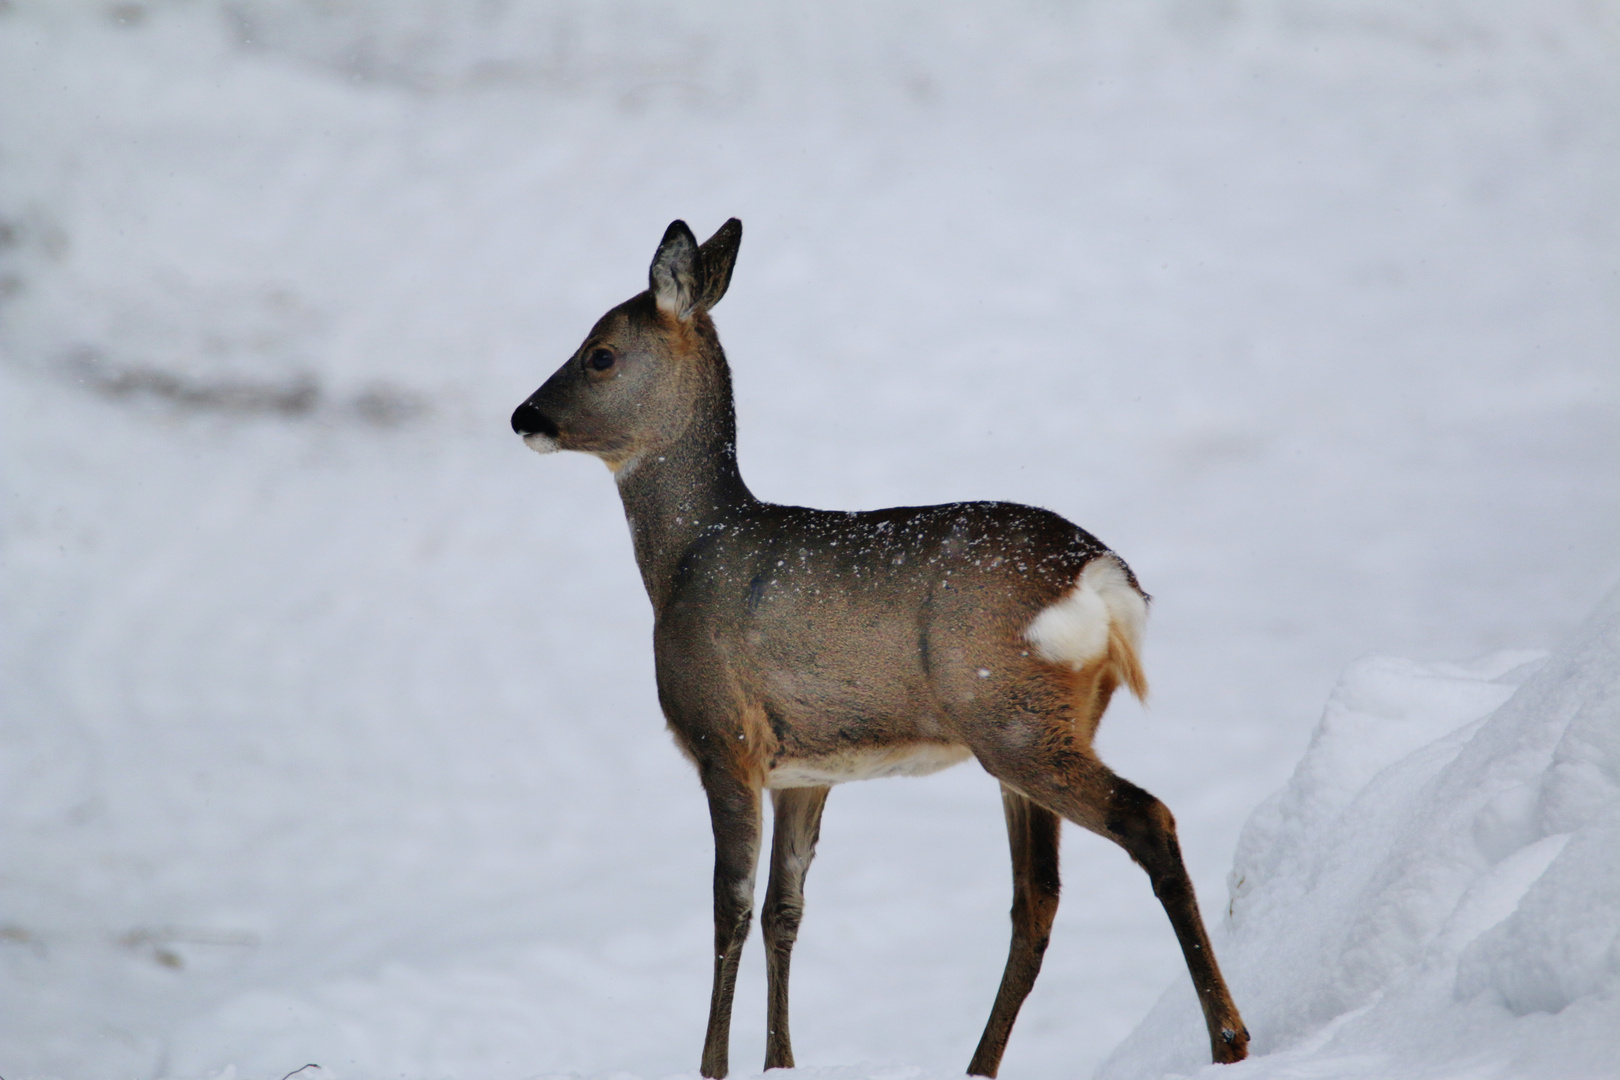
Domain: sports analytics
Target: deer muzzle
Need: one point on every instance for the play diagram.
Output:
(538, 431)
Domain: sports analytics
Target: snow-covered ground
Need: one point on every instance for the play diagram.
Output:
(327, 732)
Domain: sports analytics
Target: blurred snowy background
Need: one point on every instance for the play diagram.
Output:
(329, 732)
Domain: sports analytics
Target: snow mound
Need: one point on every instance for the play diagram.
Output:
(1436, 891)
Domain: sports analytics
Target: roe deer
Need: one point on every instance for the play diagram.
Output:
(798, 648)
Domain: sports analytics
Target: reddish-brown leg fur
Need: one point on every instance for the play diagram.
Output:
(1142, 825)
(1041, 749)
(797, 827)
(1033, 832)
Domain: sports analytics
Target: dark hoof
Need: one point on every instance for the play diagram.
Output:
(1231, 1046)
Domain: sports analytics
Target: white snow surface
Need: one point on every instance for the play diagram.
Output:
(327, 726)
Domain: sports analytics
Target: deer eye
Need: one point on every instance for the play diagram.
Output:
(600, 359)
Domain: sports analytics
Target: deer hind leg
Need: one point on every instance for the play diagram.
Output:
(1039, 744)
(734, 813)
(1143, 826)
(797, 813)
(1033, 832)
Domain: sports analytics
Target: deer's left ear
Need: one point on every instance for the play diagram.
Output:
(676, 275)
(718, 255)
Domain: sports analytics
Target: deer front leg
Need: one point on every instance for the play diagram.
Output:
(1033, 832)
(734, 813)
(797, 813)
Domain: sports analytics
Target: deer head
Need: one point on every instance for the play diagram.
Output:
(650, 367)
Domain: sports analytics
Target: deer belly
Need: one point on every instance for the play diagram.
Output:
(865, 763)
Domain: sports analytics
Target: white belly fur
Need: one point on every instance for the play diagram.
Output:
(913, 759)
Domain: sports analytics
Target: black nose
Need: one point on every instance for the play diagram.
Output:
(528, 420)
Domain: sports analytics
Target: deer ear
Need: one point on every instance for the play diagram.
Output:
(718, 255)
(676, 275)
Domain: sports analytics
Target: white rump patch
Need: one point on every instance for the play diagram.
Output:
(541, 444)
(1074, 631)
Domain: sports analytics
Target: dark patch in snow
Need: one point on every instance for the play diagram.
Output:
(295, 396)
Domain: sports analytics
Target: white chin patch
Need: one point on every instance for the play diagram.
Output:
(541, 444)
(1074, 631)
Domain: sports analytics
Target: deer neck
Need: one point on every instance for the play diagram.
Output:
(683, 491)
